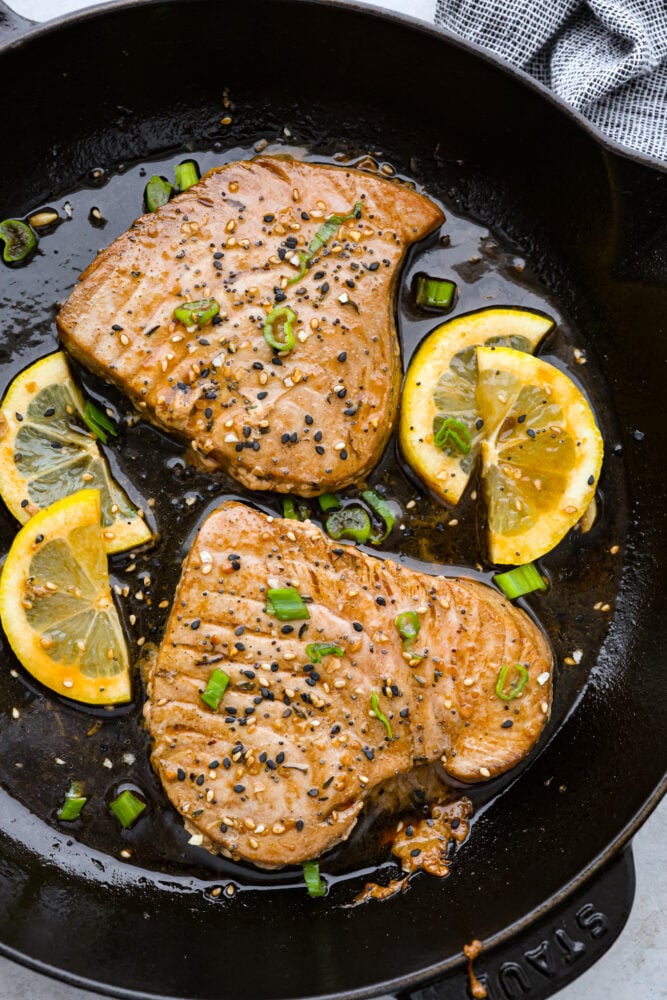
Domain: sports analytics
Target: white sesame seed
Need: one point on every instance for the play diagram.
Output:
(107, 763)
(543, 678)
(484, 771)
(197, 839)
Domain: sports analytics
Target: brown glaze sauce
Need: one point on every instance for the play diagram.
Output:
(48, 742)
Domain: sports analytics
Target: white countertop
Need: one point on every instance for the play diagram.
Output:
(635, 968)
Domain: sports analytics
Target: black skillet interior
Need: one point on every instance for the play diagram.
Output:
(122, 84)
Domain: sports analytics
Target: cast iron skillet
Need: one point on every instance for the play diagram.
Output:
(121, 83)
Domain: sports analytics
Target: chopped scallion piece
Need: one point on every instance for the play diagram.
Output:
(157, 193)
(74, 802)
(216, 687)
(328, 501)
(286, 604)
(127, 808)
(451, 433)
(279, 321)
(98, 422)
(289, 509)
(352, 523)
(19, 240)
(186, 174)
(197, 313)
(302, 271)
(517, 685)
(329, 228)
(408, 625)
(379, 714)
(311, 875)
(434, 293)
(316, 651)
(520, 580)
(380, 507)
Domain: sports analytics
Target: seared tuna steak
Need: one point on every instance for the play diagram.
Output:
(316, 247)
(322, 707)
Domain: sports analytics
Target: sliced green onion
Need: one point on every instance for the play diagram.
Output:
(520, 580)
(280, 320)
(311, 875)
(98, 422)
(19, 240)
(316, 651)
(329, 228)
(289, 509)
(408, 625)
(286, 604)
(157, 193)
(380, 507)
(197, 313)
(434, 293)
(216, 687)
(127, 808)
(352, 523)
(74, 802)
(304, 258)
(328, 501)
(517, 685)
(186, 174)
(451, 433)
(379, 714)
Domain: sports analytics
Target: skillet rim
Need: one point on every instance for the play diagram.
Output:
(28, 28)
(28, 31)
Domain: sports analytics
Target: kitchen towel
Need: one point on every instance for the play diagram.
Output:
(606, 58)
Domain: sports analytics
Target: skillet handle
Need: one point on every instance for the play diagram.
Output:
(539, 961)
(12, 25)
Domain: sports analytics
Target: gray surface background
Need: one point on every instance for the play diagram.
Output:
(635, 967)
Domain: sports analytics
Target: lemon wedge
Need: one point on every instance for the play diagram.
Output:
(56, 606)
(440, 385)
(46, 452)
(541, 453)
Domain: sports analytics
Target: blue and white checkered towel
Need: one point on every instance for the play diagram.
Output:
(606, 58)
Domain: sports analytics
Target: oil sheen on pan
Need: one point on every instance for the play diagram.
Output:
(178, 488)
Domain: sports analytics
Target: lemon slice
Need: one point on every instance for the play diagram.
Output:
(541, 454)
(441, 383)
(46, 453)
(56, 606)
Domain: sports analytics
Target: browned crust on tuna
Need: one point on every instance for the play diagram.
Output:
(323, 752)
(217, 387)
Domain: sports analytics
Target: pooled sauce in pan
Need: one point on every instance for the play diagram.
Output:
(48, 742)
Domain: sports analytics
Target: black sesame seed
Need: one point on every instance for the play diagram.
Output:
(313, 792)
(299, 825)
(308, 419)
(507, 724)
(280, 757)
(262, 395)
(319, 449)
(342, 356)
(180, 774)
(415, 852)
(239, 788)
(357, 626)
(194, 625)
